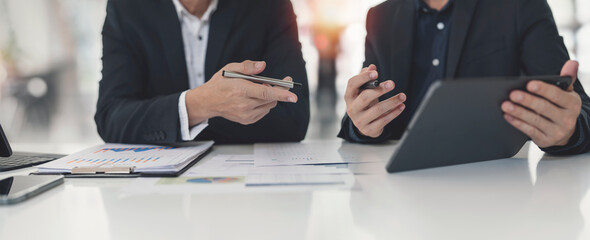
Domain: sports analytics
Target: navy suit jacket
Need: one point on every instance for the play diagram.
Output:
(144, 69)
(488, 38)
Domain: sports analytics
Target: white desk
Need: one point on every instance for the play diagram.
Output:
(505, 199)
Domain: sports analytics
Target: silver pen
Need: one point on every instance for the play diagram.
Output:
(261, 79)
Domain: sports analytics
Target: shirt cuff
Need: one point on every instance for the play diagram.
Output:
(352, 133)
(356, 136)
(186, 133)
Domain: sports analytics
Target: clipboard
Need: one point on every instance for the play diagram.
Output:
(117, 171)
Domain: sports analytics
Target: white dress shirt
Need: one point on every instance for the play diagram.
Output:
(195, 35)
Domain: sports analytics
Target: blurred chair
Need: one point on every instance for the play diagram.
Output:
(34, 99)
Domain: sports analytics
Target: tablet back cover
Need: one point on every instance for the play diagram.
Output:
(460, 121)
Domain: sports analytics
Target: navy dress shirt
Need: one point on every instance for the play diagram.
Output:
(430, 50)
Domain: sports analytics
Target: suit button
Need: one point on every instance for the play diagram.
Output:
(435, 62)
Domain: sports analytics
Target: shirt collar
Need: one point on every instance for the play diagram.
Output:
(420, 4)
(180, 9)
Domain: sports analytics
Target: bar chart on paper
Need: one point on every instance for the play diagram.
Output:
(134, 161)
(134, 149)
(142, 157)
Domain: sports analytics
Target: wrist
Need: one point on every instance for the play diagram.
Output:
(565, 141)
(196, 106)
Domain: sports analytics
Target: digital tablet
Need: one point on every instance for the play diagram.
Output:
(460, 121)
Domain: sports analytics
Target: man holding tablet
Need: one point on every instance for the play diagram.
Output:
(412, 43)
(162, 72)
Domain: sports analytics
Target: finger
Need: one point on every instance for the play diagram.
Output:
(551, 93)
(570, 69)
(246, 67)
(288, 79)
(384, 107)
(249, 104)
(373, 103)
(527, 116)
(261, 92)
(267, 105)
(263, 110)
(371, 67)
(354, 112)
(535, 134)
(537, 104)
(354, 84)
(369, 95)
(385, 119)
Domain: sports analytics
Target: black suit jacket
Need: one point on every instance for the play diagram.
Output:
(488, 38)
(144, 69)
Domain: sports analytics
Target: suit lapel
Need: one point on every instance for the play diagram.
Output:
(460, 23)
(402, 42)
(170, 33)
(221, 23)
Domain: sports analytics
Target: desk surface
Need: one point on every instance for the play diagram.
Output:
(519, 198)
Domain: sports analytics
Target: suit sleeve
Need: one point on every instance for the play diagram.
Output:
(543, 53)
(348, 131)
(287, 122)
(123, 114)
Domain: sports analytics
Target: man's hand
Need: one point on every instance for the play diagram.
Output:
(363, 107)
(550, 120)
(235, 99)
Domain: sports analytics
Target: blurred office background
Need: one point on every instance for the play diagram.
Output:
(50, 63)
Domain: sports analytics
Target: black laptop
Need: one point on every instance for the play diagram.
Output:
(10, 161)
(460, 121)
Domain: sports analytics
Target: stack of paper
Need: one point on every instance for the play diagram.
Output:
(142, 158)
(255, 176)
(272, 167)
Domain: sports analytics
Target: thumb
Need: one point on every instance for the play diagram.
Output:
(246, 67)
(570, 69)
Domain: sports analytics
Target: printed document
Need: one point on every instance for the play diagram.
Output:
(144, 158)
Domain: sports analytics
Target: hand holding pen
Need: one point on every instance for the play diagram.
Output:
(367, 113)
(234, 99)
(262, 80)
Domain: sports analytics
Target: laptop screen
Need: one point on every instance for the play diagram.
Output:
(5, 150)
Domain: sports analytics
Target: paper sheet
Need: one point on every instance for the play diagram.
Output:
(237, 173)
(302, 154)
(243, 165)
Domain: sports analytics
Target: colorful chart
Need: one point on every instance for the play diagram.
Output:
(202, 180)
(137, 149)
(113, 160)
(214, 180)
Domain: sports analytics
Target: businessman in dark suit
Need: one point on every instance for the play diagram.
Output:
(412, 43)
(162, 63)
